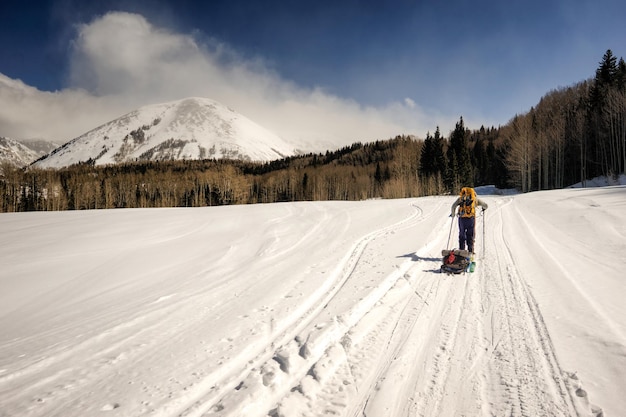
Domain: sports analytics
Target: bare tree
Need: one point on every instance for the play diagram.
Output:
(521, 151)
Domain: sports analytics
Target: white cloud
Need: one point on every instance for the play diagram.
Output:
(120, 61)
(27, 113)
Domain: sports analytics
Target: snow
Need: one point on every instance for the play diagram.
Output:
(316, 308)
(15, 153)
(602, 182)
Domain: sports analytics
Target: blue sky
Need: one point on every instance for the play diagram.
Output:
(409, 65)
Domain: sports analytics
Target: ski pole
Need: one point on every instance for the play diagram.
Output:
(483, 216)
(450, 234)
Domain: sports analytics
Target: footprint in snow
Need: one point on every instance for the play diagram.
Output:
(110, 407)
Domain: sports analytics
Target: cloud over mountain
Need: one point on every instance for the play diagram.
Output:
(120, 61)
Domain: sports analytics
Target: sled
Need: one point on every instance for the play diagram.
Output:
(455, 261)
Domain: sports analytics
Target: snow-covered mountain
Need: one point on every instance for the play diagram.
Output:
(21, 154)
(191, 128)
(40, 146)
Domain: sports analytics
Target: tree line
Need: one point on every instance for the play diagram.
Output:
(384, 169)
(572, 134)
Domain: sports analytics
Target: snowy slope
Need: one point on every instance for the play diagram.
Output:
(192, 128)
(315, 309)
(16, 153)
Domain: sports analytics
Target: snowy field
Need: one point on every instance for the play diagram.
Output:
(315, 309)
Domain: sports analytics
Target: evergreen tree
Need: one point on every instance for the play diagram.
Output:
(607, 72)
(460, 172)
(378, 175)
(438, 153)
(620, 76)
(427, 157)
(480, 158)
(433, 159)
(606, 148)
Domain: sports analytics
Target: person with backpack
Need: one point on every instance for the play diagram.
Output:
(467, 203)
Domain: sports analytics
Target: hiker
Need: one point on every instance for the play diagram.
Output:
(467, 203)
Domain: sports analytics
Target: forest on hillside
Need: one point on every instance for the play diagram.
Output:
(573, 134)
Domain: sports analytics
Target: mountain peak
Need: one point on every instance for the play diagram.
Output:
(14, 152)
(190, 128)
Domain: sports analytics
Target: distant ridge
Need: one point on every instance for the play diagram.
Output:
(17, 153)
(191, 128)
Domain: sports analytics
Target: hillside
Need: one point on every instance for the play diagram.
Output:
(315, 309)
(192, 128)
(22, 153)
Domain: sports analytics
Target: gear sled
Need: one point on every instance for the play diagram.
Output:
(455, 261)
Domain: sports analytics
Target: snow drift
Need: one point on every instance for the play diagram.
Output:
(316, 308)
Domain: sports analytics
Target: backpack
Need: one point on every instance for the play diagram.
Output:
(455, 261)
(467, 205)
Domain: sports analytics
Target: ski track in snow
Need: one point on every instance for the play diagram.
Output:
(413, 341)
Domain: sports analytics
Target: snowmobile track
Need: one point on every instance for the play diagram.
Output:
(293, 355)
(525, 369)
